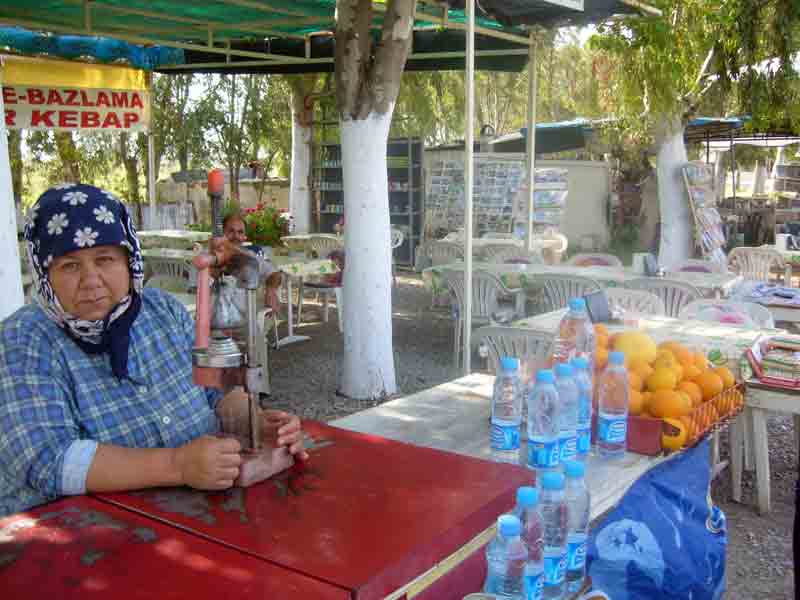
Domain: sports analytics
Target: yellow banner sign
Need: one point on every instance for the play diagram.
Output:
(64, 108)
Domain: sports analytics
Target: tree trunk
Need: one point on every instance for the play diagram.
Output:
(131, 164)
(368, 353)
(300, 176)
(367, 85)
(677, 223)
(70, 159)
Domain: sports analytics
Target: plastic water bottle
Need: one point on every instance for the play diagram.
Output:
(576, 496)
(527, 511)
(506, 561)
(506, 412)
(575, 334)
(543, 425)
(553, 509)
(567, 411)
(583, 379)
(612, 407)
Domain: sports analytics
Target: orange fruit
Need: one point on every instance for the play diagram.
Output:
(674, 434)
(662, 378)
(690, 371)
(728, 380)
(601, 341)
(668, 403)
(678, 350)
(635, 382)
(700, 361)
(641, 367)
(600, 329)
(710, 383)
(635, 402)
(678, 370)
(693, 390)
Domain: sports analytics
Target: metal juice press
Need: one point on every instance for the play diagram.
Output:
(218, 361)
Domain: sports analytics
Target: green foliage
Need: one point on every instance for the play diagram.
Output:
(265, 225)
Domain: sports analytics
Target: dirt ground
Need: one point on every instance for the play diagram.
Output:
(305, 377)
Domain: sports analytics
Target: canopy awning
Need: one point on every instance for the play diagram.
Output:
(292, 36)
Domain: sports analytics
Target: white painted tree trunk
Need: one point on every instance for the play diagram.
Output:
(300, 192)
(368, 355)
(10, 273)
(677, 223)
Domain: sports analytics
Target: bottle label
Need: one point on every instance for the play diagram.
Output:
(612, 430)
(534, 585)
(567, 446)
(505, 437)
(555, 568)
(576, 552)
(543, 455)
(584, 440)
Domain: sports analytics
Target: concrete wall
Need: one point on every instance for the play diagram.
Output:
(276, 193)
(589, 187)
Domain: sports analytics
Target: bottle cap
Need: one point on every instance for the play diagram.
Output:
(577, 304)
(527, 496)
(553, 481)
(574, 468)
(580, 362)
(563, 370)
(616, 358)
(545, 376)
(509, 525)
(509, 363)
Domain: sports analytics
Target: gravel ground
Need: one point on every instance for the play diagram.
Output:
(305, 377)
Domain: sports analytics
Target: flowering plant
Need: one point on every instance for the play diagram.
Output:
(265, 225)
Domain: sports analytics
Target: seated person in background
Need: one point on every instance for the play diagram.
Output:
(233, 228)
(96, 391)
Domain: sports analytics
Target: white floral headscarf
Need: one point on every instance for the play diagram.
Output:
(71, 217)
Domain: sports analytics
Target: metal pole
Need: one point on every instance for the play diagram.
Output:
(530, 146)
(733, 167)
(151, 179)
(469, 84)
(708, 147)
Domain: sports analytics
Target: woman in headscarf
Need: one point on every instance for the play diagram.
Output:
(96, 389)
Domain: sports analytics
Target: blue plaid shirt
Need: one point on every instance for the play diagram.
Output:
(57, 402)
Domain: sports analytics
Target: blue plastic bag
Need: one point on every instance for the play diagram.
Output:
(665, 539)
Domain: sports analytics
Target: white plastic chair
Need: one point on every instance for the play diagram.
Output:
(171, 274)
(532, 348)
(727, 311)
(756, 263)
(398, 237)
(486, 308)
(558, 289)
(326, 286)
(696, 265)
(324, 245)
(594, 259)
(497, 253)
(635, 301)
(674, 294)
(443, 253)
(497, 235)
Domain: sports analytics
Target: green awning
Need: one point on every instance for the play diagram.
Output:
(272, 33)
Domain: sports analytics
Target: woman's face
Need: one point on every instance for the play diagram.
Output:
(91, 281)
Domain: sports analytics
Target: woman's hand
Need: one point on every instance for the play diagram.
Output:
(209, 463)
(286, 428)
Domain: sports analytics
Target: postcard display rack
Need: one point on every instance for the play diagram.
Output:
(406, 198)
(709, 231)
(499, 193)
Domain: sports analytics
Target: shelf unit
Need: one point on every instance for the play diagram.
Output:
(406, 193)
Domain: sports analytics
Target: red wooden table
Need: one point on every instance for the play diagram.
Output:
(368, 518)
